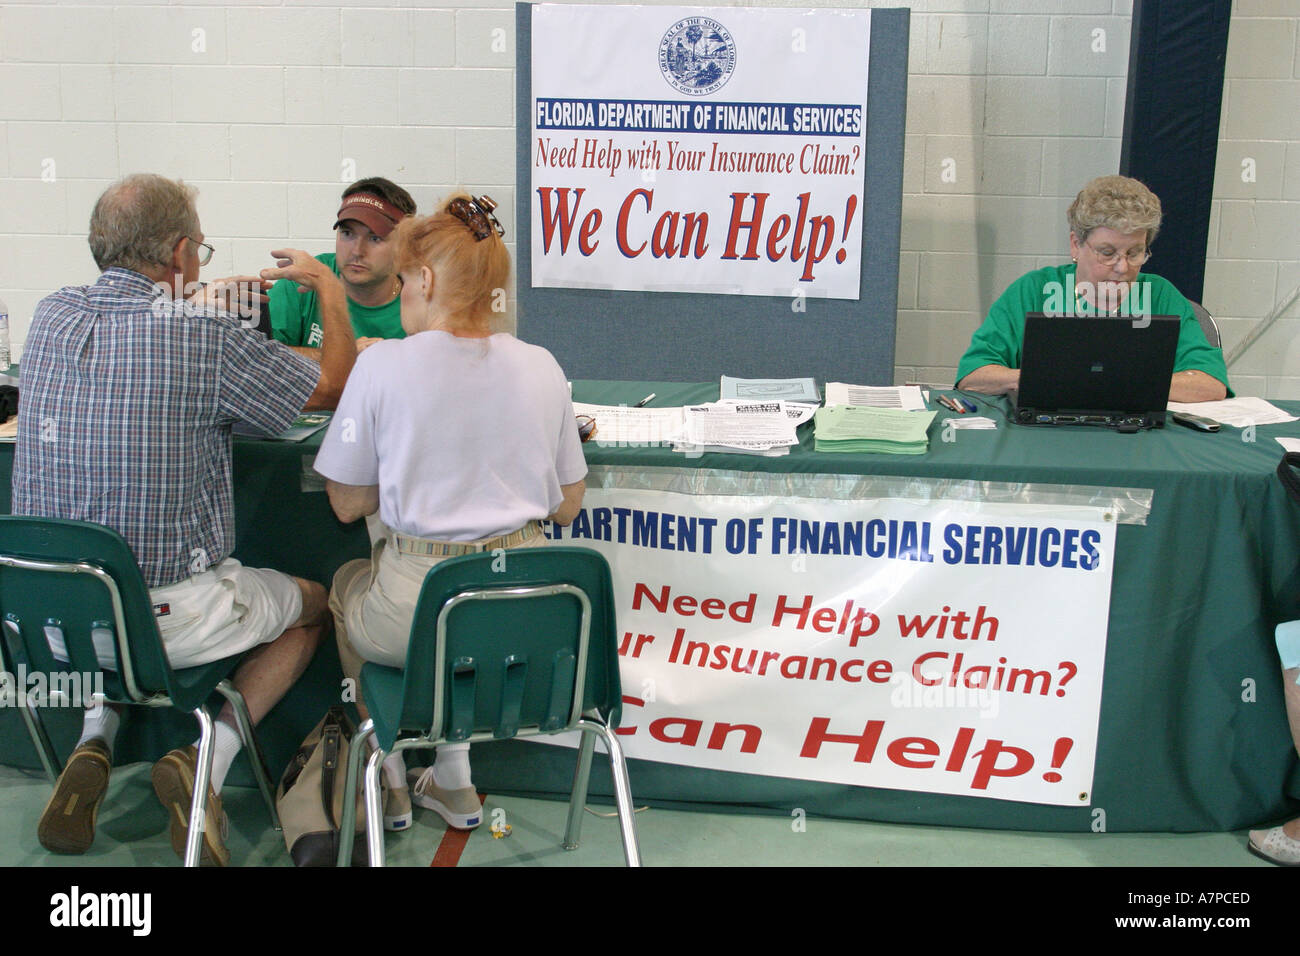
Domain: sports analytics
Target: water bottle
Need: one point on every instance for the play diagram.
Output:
(4, 336)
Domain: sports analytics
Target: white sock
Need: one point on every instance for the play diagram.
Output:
(451, 767)
(395, 772)
(101, 722)
(394, 766)
(225, 748)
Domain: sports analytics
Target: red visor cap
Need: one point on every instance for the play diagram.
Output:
(378, 216)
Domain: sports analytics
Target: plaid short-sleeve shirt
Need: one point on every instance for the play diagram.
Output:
(127, 399)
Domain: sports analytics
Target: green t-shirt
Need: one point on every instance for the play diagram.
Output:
(998, 341)
(295, 316)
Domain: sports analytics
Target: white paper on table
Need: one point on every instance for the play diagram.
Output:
(1237, 412)
(748, 425)
(975, 422)
(1290, 444)
(906, 397)
(797, 412)
(623, 424)
(761, 450)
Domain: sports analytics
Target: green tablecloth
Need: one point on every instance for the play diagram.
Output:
(1192, 733)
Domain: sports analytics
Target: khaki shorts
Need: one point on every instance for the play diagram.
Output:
(374, 603)
(224, 611)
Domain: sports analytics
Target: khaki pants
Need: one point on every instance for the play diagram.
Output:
(374, 602)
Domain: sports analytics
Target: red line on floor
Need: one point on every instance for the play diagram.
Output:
(452, 845)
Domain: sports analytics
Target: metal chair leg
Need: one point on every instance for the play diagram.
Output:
(252, 748)
(35, 726)
(348, 824)
(41, 742)
(578, 799)
(374, 809)
(622, 791)
(202, 775)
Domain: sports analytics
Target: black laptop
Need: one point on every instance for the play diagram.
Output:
(1111, 371)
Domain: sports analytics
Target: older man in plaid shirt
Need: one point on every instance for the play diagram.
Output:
(128, 396)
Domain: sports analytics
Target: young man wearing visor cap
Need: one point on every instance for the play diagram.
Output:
(363, 259)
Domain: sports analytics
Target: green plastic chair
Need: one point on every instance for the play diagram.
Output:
(511, 644)
(81, 580)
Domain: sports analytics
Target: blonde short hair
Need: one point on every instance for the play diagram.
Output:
(1114, 202)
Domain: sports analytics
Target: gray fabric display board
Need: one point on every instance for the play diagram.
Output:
(686, 337)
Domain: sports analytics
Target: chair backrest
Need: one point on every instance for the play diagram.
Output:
(512, 644)
(80, 578)
(1208, 325)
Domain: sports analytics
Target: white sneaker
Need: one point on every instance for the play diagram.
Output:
(460, 808)
(1275, 846)
(397, 809)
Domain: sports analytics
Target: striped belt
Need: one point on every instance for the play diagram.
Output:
(427, 546)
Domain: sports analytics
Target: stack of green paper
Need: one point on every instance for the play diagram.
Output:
(855, 428)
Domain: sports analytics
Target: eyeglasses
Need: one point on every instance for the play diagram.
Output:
(477, 214)
(586, 427)
(1110, 256)
(205, 251)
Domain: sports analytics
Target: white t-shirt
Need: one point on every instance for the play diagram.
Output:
(466, 438)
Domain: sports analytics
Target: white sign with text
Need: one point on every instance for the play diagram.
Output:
(948, 647)
(698, 149)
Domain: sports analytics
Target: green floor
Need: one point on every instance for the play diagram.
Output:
(132, 832)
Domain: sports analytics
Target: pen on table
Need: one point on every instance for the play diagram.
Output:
(948, 403)
(968, 405)
(645, 401)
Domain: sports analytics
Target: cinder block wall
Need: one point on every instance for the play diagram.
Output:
(1012, 106)
(1254, 243)
(269, 108)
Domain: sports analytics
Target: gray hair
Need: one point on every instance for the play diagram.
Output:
(1115, 202)
(138, 220)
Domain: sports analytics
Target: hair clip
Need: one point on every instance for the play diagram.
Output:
(476, 212)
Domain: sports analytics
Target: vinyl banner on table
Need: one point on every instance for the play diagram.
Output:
(698, 149)
(949, 647)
